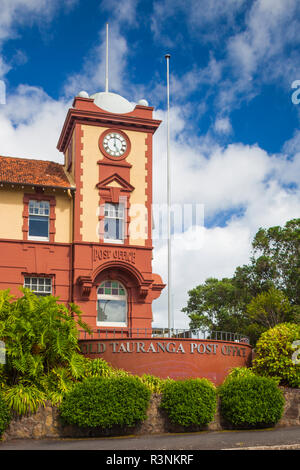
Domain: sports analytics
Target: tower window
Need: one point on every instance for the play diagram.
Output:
(39, 212)
(114, 223)
(111, 304)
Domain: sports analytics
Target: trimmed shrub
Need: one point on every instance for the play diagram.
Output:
(155, 384)
(239, 372)
(5, 415)
(274, 354)
(100, 368)
(251, 401)
(190, 402)
(106, 401)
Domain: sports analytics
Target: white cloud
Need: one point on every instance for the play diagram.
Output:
(30, 124)
(121, 12)
(92, 75)
(205, 173)
(30, 121)
(257, 54)
(253, 49)
(16, 13)
(270, 27)
(223, 125)
(220, 252)
(223, 248)
(181, 86)
(19, 12)
(200, 17)
(31, 117)
(292, 146)
(227, 179)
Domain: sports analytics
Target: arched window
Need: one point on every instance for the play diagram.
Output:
(111, 304)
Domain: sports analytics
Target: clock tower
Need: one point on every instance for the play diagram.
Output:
(107, 145)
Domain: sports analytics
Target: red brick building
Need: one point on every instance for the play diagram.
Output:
(82, 230)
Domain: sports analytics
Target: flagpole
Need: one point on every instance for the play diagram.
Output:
(170, 316)
(106, 62)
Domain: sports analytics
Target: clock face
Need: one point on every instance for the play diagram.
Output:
(114, 144)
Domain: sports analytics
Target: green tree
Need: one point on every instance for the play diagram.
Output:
(270, 308)
(276, 258)
(271, 276)
(216, 305)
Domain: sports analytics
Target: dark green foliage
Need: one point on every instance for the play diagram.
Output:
(189, 402)
(39, 334)
(270, 308)
(43, 359)
(278, 249)
(216, 305)
(222, 305)
(106, 401)
(251, 401)
(5, 415)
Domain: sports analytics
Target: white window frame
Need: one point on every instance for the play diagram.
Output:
(112, 297)
(29, 285)
(112, 215)
(41, 212)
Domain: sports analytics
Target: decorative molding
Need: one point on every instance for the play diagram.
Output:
(125, 186)
(143, 291)
(116, 163)
(86, 285)
(104, 119)
(148, 156)
(78, 212)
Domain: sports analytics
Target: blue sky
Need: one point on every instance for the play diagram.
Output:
(235, 136)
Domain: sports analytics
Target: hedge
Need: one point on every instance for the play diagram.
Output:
(274, 354)
(251, 401)
(189, 402)
(106, 401)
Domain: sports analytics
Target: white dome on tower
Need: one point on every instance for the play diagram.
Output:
(112, 102)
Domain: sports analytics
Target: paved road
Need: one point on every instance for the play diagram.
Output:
(280, 438)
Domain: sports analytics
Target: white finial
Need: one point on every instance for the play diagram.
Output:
(143, 102)
(106, 64)
(83, 94)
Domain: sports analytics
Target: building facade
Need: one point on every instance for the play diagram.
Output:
(82, 230)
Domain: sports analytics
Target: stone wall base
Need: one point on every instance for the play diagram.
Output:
(46, 422)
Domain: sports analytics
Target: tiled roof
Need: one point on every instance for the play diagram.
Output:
(35, 172)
